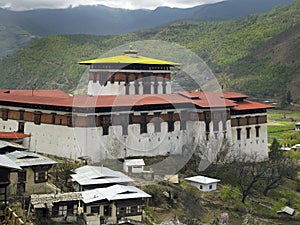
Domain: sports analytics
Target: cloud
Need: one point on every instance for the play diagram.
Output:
(20, 5)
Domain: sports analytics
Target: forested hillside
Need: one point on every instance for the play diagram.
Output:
(231, 49)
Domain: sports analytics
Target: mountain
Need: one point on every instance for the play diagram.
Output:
(236, 9)
(238, 51)
(104, 20)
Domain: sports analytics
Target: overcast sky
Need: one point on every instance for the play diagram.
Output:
(127, 4)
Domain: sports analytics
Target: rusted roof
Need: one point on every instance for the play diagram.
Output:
(13, 135)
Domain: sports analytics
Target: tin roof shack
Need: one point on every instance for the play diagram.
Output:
(133, 165)
(111, 204)
(91, 177)
(34, 175)
(58, 207)
(203, 183)
(6, 167)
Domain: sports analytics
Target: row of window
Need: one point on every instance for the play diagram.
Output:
(248, 132)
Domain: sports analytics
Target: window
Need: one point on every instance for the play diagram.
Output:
(128, 210)
(143, 125)
(238, 120)
(70, 120)
(238, 133)
(107, 211)
(21, 127)
(21, 114)
(139, 208)
(170, 122)
(94, 78)
(95, 209)
(53, 117)
(248, 132)
(156, 122)
(4, 114)
(210, 186)
(121, 211)
(62, 210)
(248, 120)
(40, 176)
(75, 209)
(21, 176)
(37, 118)
(2, 194)
(124, 123)
(106, 122)
(257, 131)
(201, 187)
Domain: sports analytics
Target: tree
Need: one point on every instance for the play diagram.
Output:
(248, 171)
(275, 151)
(275, 170)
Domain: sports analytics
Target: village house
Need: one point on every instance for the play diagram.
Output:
(6, 167)
(57, 206)
(133, 165)
(33, 178)
(90, 177)
(111, 204)
(203, 183)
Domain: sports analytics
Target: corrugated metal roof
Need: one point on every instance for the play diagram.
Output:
(46, 200)
(4, 144)
(115, 192)
(202, 179)
(8, 163)
(24, 159)
(134, 162)
(90, 175)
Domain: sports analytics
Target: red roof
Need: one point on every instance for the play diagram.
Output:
(13, 135)
(246, 105)
(209, 99)
(62, 99)
(45, 93)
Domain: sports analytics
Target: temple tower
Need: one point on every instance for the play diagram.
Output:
(129, 74)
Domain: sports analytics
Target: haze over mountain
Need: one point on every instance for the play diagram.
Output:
(104, 20)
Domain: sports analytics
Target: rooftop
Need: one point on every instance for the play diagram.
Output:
(134, 162)
(202, 179)
(6, 162)
(115, 192)
(91, 175)
(60, 99)
(47, 200)
(24, 159)
(13, 135)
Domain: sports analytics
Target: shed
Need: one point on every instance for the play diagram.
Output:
(133, 165)
(203, 183)
(297, 126)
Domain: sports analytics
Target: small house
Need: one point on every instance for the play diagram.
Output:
(297, 126)
(203, 183)
(90, 177)
(6, 167)
(113, 203)
(33, 178)
(58, 207)
(133, 165)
